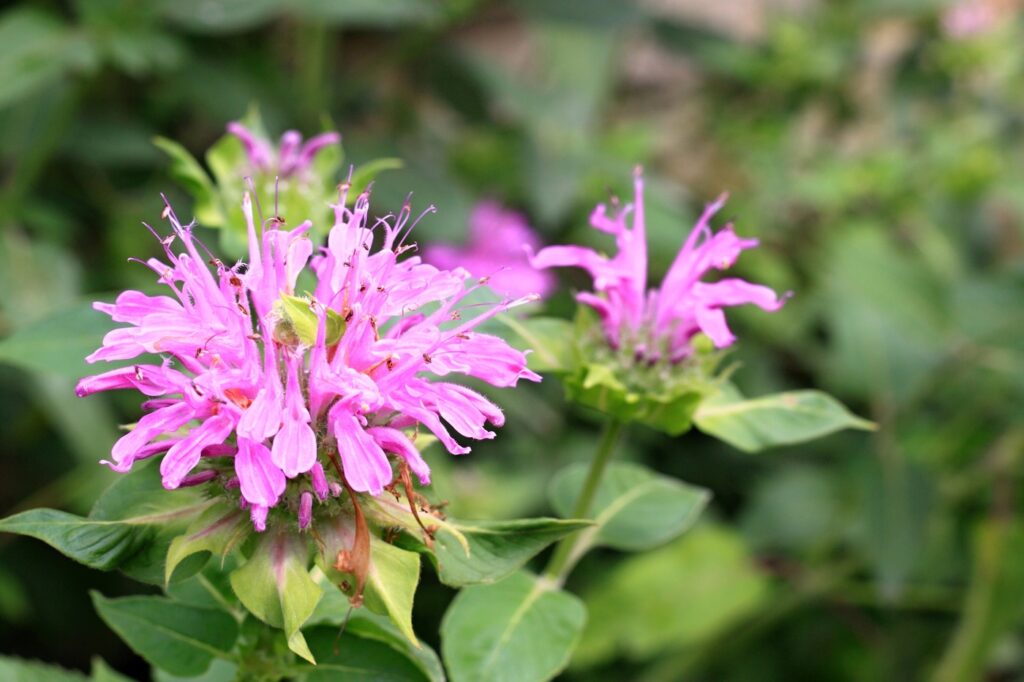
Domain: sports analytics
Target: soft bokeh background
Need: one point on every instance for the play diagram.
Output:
(873, 145)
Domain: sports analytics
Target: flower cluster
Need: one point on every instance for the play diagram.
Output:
(496, 249)
(659, 324)
(305, 395)
(291, 158)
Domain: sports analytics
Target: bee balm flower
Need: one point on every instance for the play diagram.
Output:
(496, 249)
(285, 397)
(658, 324)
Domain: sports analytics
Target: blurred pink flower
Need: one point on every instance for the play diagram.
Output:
(242, 377)
(291, 157)
(659, 323)
(496, 249)
(968, 18)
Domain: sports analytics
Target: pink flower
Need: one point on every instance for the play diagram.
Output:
(497, 249)
(291, 157)
(255, 394)
(968, 18)
(659, 323)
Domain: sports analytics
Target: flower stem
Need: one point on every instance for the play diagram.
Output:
(560, 565)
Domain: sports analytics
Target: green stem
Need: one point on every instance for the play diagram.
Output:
(559, 566)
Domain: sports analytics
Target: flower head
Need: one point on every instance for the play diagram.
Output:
(496, 249)
(288, 398)
(659, 323)
(291, 157)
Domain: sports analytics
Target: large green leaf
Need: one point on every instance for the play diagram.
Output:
(19, 670)
(130, 527)
(634, 508)
(275, 585)
(57, 343)
(522, 629)
(178, 638)
(39, 50)
(778, 419)
(494, 549)
(679, 595)
(470, 552)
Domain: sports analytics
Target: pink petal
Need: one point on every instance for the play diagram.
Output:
(261, 481)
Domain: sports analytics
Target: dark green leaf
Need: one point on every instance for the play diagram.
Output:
(358, 659)
(180, 639)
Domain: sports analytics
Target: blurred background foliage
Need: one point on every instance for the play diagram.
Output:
(873, 147)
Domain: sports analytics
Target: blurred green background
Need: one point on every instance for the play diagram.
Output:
(874, 146)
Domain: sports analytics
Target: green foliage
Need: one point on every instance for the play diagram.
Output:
(180, 639)
(58, 342)
(130, 527)
(768, 421)
(634, 509)
(275, 586)
(521, 628)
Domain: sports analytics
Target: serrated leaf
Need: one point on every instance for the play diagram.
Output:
(522, 629)
(778, 419)
(495, 548)
(180, 639)
(275, 585)
(217, 530)
(129, 528)
(634, 508)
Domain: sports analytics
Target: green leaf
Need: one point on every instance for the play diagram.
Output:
(101, 672)
(218, 530)
(391, 578)
(368, 172)
(57, 343)
(495, 548)
(19, 670)
(470, 552)
(334, 609)
(275, 585)
(368, 13)
(129, 528)
(635, 509)
(521, 629)
(186, 171)
(304, 322)
(391, 584)
(679, 595)
(180, 639)
(778, 419)
(219, 671)
(549, 338)
(357, 659)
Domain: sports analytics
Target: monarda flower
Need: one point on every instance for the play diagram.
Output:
(643, 358)
(289, 399)
(659, 323)
(496, 249)
(291, 157)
